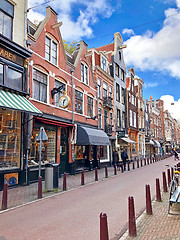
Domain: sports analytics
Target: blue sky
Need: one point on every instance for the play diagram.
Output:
(150, 28)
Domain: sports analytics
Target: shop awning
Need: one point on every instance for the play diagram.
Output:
(156, 143)
(128, 140)
(150, 142)
(91, 136)
(17, 102)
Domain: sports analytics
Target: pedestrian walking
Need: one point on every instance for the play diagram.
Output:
(115, 158)
(124, 158)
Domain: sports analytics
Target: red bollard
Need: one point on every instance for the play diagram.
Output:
(148, 161)
(4, 197)
(40, 187)
(106, 172)
(169, 176)
(148, 201)
(141, 163)
(145, 162)
(115, 169)
(137, 163)
(158, 192)
(172, 173)
(164, 182)
(133, 166)
(132, 220)
(128, 166)
(96, 174)
(122, 168)
(64, 182)
(103, 227)
(82, 177)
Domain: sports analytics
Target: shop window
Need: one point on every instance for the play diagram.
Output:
(59, 94)
(90, 106)
(48, 149)
(11, 77)
(39, 86)
(51, 50)
(78, 101)
(103, 152)
(6, 18)
(133, 148)
(80, 152)
(10, 139)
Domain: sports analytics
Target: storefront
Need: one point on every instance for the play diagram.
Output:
(56, 149)
(127, 144)
(91, 149)
(149, 148)
(14, 109)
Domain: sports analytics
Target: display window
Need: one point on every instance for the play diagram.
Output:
(103, 152)
(80, 152)
(10, 139)
(48, 148)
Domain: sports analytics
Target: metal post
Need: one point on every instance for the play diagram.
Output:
(40, 146)
(27, 155)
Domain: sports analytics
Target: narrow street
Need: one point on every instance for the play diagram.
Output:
(75, 214)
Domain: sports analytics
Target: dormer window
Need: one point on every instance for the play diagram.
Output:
(51, 50)
(84, 73)
(103, 63)
(6, 18)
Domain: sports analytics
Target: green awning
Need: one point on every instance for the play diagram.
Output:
(16, 102)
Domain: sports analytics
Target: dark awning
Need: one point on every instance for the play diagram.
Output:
(91, 136)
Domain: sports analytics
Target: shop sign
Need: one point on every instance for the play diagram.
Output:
(121, 134)
(11, 179)
(10, 56)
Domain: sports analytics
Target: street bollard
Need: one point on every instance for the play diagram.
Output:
(4, 197)
(82, 177)
(96, 174)
(141, 163)
(158, 192)
(106, 172)
(122, 168)
(145, 162)
(103, 227)
(164, 182)
(115, 169)
(172, 173)
(148, 161)
(128, 166)
(132, 220)
(169, 176)
(64, 182)
(133, 165)
(138, 163)
(148, 201)
(40, 187)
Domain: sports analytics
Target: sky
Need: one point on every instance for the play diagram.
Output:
(149, 28)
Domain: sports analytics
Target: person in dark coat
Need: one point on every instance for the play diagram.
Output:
(115, 157)
(124, 158)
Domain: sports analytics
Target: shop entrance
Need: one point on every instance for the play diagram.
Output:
(64, 150)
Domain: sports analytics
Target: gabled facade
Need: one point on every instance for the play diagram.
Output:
(141, 122)
(105, 97)
(132, 113)
(118, 72)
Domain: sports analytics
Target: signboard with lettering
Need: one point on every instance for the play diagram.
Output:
(11, 56)
(121, 133)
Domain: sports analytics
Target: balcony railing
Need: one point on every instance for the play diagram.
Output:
(107, 102)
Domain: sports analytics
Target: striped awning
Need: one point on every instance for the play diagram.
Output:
(17, 102)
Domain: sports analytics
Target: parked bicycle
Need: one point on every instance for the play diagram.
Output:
(174, 194)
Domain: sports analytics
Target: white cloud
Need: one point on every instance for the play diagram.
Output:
(150, 84)
(87, 13)
(173, 109)
(157, 51)
(128, 31)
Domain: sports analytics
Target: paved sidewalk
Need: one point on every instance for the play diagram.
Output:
(158, 226)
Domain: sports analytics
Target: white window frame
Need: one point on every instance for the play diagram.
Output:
(83, 78)
(51, 50)
(99, 88)
(104, 63)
